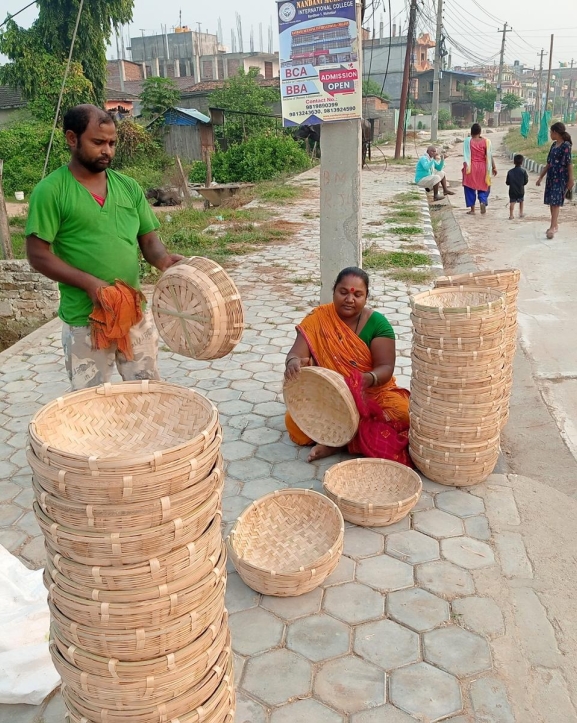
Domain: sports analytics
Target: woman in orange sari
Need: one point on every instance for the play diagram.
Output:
(359, 343)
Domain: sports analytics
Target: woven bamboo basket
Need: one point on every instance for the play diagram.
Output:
(447, 433)
(139, 643)
(461, 304)
(455, 475)
(189, 561)
(479, 396)
(444, 358)
(214, 566)
(458, 377)
(461, 344)
(124, 428)
(322, 406)
(141, 609)
(193, 698)
(477, 447)
(475, 328)
(127, 548)
(506, 280)
(197, 309)
(372, 492)
(287, 542)
(458, 413)
(97, 488)
(141, 687)
(127, 517)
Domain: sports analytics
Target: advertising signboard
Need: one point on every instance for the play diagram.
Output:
(320, 67)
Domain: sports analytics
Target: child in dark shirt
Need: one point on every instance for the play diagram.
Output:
(517, 179)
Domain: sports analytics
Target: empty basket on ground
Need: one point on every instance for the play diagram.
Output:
(459, 382)
(287, 542)
(507, 281)
(197, 309)
(373, 492)
(128, 481)
(322, 406)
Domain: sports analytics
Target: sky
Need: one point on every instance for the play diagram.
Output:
(472, 24)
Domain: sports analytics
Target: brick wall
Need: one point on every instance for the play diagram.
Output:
(24, 294)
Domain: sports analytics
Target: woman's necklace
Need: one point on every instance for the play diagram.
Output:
(358, 322)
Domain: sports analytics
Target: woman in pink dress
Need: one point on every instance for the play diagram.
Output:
(477, 169)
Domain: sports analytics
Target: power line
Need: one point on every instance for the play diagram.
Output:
(17, 13)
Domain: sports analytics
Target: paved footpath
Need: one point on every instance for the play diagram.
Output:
(417, 622)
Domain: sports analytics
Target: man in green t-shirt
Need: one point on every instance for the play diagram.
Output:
(86, 226)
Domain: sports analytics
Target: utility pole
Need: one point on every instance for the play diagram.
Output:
(406, 74)
(120, 61)
(549, 74)
(569, 90)
(501, 63)
(539, 82)
(437, 73)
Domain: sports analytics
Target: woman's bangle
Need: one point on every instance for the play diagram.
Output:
(289, 360)
(375, 379)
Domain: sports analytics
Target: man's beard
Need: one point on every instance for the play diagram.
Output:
(94, 166)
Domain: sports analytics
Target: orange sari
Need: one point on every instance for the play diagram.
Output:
(333, 345)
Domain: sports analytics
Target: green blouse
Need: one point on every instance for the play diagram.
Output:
(376, 326)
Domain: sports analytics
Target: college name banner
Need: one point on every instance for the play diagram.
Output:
(320, 72)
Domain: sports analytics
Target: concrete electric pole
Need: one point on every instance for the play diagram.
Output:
(549, 75)
(406, 75)
(501, 63)
(437, 73)
(539, 82)
(569, 90)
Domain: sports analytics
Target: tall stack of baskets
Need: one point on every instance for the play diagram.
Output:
(459, 382)
(507, 281)
(128, 481)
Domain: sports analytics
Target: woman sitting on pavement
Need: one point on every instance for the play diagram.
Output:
(429, 173)
(359, 343)
(477, 169)
(559, 172)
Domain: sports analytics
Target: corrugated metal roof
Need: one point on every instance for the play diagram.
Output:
(196, 114)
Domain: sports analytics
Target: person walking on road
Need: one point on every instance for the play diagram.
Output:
(87, 225)
(477, 169)
(429, 173)
(517, 179)
(559, 172)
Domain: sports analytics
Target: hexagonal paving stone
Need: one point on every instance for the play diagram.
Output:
(232, 451)
(248, 710)
(254, 631)
(468, 552)
(8, 490)
(384, 714)
(344, 572)
(437, 523)
(386, 644)
(257, 488)
(490, 702)
(291, 608)
(457, 651)
(9, 514)
(293, 472)
(445, 579)
(11, 539)
(291, 678)
(385, 573)
(400, 526)
(35, 552)
(478, 527)
(233, 507)
(480, 614)
(350, 684)
(28, 525)
(360, 542)
(418, 609)
(238, 595)
(318, 637)
(460, 503)
(353, 602)
(258, 395)
(235, 407)
(269, 409)
(305, 711)
(425, 692)
(276, 452)
(249, 469)
(222, 395)
(412, 547)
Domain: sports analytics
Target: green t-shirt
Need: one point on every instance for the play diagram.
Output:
(377, 326)
(102, 241)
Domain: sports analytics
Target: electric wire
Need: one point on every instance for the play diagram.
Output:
(13, 15)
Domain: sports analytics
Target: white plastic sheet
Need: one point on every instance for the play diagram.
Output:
(27, 674)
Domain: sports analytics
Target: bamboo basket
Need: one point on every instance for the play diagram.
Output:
(455, 475)
(456, 408)
(467, 359)
(372, 492)
(198, 310)
(462, 449)
(127, 548)
(139, 644)
(189, 561)
(458, 377)
(124, 428)
(461, 344)
(322, 406)
(452, 433)
(287, 542)
(472, 329)
(191, 699)
(479, 396)
(128, 517)
(97, 488)
(506, 280)
(141, 609)
(441, 415)
(141, 688)
(462, 304)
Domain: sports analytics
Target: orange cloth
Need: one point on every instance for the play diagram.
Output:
(120, 309)
(335, 346)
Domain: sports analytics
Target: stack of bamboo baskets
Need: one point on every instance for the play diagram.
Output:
(128, 482)
(507, 281)
(459, 382)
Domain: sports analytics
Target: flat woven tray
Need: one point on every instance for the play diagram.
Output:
(372, 492)
(124, 428)
(197, 309)
(321, 404)
(287, 542)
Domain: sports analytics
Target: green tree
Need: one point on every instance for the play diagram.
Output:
(157, 95)
(371, 87)
(511, 101)
(53, 30)
(445, 119)
(243, 93)
(482, 98)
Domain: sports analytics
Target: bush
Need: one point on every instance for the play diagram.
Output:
(259, 159)
(198, 173)
(444, 119)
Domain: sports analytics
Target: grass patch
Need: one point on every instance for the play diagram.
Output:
(413, 246)
(415, 278)
(407, 196)
(404, 215)
(278, 192)
(406, 230)
(18, 244)
(514, 141)
(375, 259)
(303, 280)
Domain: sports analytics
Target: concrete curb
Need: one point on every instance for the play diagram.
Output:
(528, 163)
(429, 235)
